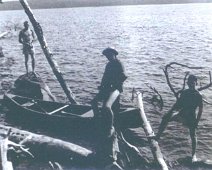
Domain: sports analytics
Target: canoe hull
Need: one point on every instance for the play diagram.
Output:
(77, 121)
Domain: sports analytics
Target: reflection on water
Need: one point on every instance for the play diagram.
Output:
(147, 38)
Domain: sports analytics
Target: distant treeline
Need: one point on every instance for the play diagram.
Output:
(40, 4)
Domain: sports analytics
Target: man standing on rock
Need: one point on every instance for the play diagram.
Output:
(26, 37)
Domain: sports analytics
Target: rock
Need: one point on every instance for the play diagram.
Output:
(31, 85)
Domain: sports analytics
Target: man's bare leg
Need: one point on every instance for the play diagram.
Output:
(33, 62)
(26, 62)
(193, 143)
(107, 107)
(94, 104)
(165, 120)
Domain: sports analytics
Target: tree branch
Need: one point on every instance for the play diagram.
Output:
(184, 82)
(206, 86)
(155, 99)
(176, 94)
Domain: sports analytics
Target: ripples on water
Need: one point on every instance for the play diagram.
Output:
(147, 38)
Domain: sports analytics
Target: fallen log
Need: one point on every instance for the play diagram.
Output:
(7, 145)
(44, 147)
(149, 132)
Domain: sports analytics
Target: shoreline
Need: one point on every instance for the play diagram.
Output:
(7, 6)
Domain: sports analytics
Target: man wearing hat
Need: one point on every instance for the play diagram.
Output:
(109, 92)
(26, 37)
(110, 89)
(190, 99)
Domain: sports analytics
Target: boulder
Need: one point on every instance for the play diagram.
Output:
(31, 85)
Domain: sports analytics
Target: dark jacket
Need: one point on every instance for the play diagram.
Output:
(114, 76)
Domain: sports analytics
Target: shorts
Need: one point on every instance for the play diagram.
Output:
(189, 122)
(28, 50)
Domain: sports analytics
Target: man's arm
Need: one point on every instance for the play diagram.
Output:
(121, 70)
(20, 38)
(33, 35)
(199, 111)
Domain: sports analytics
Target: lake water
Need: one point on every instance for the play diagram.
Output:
(147, 37)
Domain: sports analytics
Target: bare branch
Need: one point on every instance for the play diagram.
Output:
(176, 94)
(206, 86)
(168, 81)
(155, 99)
(207, 102)
(183, 65)
(184, 82)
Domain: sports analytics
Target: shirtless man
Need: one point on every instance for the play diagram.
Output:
(186, 106)
(26, 37)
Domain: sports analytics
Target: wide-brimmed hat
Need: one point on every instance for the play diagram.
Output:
(109, 50)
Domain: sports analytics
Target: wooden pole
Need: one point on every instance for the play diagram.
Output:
(149, 132)
(48, 54)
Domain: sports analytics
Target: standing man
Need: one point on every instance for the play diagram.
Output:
(186, 106)
(26, 37)
(110, 88)
(109, 92)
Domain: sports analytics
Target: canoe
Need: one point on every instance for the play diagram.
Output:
(51, 114)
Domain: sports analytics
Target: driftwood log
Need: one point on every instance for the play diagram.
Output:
(4, 163)
(7, 145)
(149, 132)
(45, 147)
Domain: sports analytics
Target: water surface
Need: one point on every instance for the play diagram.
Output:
(147, 38)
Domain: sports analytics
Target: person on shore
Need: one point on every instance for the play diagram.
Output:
(110, 88)
(186, 106)
(109, 93)
(26, 37)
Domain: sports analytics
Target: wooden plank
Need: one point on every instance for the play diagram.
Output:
(57, 110)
